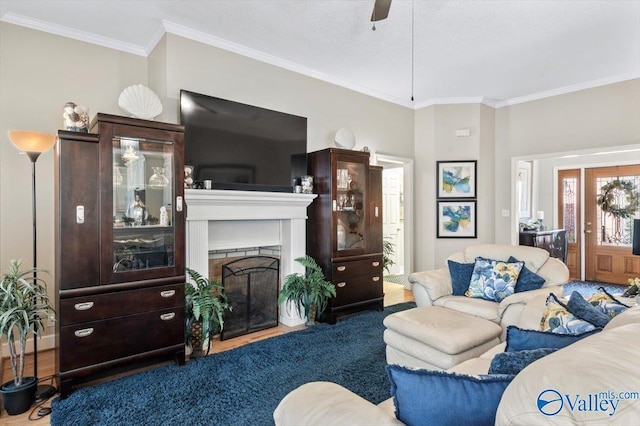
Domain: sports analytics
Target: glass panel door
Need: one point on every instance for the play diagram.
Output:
(143, 191)
(350, 205)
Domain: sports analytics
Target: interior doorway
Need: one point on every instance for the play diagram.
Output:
(397, 215)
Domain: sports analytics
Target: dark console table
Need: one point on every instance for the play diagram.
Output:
(553, 240)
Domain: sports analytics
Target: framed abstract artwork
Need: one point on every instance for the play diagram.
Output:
(456, 179)
(457, 219)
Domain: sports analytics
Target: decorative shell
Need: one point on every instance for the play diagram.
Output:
(345, 138)
(140, 101)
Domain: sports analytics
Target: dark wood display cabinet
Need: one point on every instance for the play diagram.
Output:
(344, 228)
(120, 243)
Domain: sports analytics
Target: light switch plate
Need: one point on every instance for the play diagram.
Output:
(505, 213)
(79, 214)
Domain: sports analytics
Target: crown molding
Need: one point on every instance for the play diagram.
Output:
(568, 89)
(37, 24)
(182, 31)
(242, 50)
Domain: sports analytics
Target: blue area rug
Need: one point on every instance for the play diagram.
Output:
(589, 288)
(242, 386)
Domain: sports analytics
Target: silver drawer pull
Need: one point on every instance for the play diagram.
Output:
(167, 317)
(167, 293)
(84, 332)
(83, 306)
(376, 278)
(374, 264)
(342, 284)
(341, 268)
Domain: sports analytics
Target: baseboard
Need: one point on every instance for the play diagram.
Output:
(45, 343)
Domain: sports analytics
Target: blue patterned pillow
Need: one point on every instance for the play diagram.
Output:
(519, 339)
(606, 303)
(460, 276)
(514, 362)
(441, 398)
(586, 311)
(557, 319)
(527, 280)
(493, 279)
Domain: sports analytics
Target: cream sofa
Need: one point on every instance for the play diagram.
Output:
(434, 287)
(604, 362)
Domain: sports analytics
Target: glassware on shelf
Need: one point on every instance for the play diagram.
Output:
(158, 179)
(117, 176)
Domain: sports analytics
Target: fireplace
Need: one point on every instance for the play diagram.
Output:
(251, 285)
(224, 220)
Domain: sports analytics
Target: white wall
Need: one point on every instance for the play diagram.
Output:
(597, 118)
(40, 72)
(436, 140)
(546, 169)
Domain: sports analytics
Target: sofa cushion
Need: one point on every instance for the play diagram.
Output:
(585, 311)
(460, 276)
(630, 316)
(442, 398)
(519, 339)
(603, 362)
(494, 279)
(514, 362)
(534, 257)
(557, 319)
(486, 309)
(527, 280)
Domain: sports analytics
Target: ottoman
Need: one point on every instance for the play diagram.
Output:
(437, 338)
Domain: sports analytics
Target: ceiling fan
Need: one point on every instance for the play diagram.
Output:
(380, 11)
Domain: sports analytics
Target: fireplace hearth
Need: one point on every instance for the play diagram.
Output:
(251, 286)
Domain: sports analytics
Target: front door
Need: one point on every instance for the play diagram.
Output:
(569, 217)
(608, 230)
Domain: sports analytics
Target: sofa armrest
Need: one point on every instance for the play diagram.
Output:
(325, 403)
(511, 310)
(431, 285)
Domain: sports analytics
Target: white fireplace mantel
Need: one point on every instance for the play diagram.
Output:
(270, 218)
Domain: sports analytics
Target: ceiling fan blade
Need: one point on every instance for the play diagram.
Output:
(380, 10)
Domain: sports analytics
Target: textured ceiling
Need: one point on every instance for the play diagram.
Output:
(497, 52)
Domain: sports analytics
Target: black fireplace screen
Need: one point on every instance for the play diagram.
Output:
(251, 285)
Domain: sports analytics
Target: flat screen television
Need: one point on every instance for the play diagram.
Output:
(242, 147)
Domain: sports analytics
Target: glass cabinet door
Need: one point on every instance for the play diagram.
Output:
(143, 192)
(350, 205)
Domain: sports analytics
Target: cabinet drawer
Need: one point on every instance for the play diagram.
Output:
(357, 289)
(100, 306)
(342, 270)
(101, 341)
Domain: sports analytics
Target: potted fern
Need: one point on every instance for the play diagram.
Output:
(204, 308)
(310, 291)
(23, 306)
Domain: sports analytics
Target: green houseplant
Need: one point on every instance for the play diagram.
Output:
(204, 310)
(309, 291)
(23, 306)
(388, 248)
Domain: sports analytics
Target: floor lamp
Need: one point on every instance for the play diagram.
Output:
(33, 144)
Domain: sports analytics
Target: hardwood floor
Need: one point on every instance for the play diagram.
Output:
(393, 294)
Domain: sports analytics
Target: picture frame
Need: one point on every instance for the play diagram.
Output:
(457, 219)
(456, 179)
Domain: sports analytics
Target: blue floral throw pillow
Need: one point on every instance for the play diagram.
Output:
(493, 279)
(558, 319)
(606, 303)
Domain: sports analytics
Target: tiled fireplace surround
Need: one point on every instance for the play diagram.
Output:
(219, 220)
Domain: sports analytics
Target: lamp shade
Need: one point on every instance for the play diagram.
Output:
(27, 141)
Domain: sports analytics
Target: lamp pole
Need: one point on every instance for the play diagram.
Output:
(33, 144)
